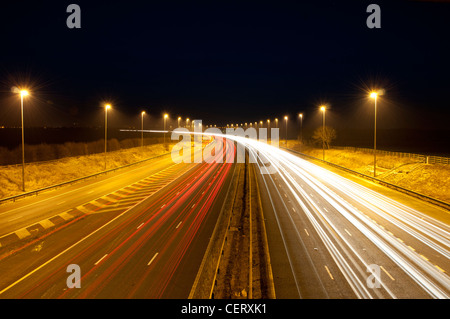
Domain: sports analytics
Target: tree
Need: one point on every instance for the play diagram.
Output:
(324, 136)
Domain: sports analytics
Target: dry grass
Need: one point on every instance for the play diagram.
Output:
(429, 179)
(39, 175)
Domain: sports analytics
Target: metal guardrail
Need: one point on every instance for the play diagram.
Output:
(429, 199)
(428, 159)
(37, 191)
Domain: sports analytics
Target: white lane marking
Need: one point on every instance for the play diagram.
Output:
(178, 225)
(163, 206)
(151, 260)
(100, 260)
(347, 232)
(306, 232)
(61, 202)
(140, 226)
(65, 250)
(329, 273)
(193, 206)
(385, 271)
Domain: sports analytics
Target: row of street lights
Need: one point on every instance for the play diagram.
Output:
(374, 95)
(322, 108)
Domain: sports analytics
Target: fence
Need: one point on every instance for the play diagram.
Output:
(417, 157)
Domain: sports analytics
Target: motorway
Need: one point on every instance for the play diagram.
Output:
(339, 239)
(144, 240)
(142, 233)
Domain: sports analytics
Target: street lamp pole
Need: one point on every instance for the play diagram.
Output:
(165, 117)
(22, 94)
(286, 120)
(107, 106)
(322, 108)
(301, 127)
(142, 128)
(374, 95)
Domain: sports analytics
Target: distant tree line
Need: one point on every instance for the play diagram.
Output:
(47, 152)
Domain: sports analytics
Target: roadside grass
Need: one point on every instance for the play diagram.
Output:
(39, 175)
(429, 179)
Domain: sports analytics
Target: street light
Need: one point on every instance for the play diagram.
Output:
(179, 119)
(142, 128)
(107, 107)
(165, 118)
(187, 123)
(23, 93)
(374, 95)
(323, 108)
(301, 127)
(268, 128)
(276, 123)
(286, 119)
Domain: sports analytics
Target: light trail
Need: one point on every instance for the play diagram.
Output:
(352, 204)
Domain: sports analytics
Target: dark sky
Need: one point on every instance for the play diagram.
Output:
(225, 61)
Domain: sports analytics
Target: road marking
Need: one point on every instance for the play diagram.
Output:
(424, 257)
(10, 220)
(91, 192)
(163, 206)
(22, 233)
(293, 209)
(177, 193)
(306, 232)
(100, 260)
(285, 195)
(152, 259)
(347, 232)
(329, 273)
(66, 216)
(64, 251)
(193, 206)
(400, 240)
(326, 209)
(411, 248)
(140, 226)
(178, 225)
(61, 202)
(46, 223)
(385, 271)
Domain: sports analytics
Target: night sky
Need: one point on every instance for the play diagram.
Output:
(226, 62)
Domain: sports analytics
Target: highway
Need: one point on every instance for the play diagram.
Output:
(147, 243)
(325, 232)
(143, 232)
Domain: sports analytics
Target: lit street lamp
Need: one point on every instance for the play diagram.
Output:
(23, 93)
(323, 108)
(165, 118)
(142, 128)
(107, 107)
(374, 95)
(179, 119)
(301, 127)
(276, 123)
(268, 129)
(286, 120)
